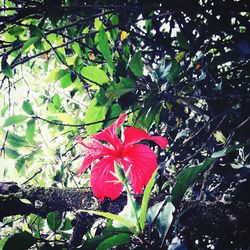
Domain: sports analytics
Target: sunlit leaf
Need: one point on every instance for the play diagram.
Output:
(30, 130)
(56, 74)
(95, 114)
(145, 200)
(95, 75)
(16, 140)
(104, 47)
(27, 108)
(11, 153)
(111, 216)
(66, 118)
(20, 165)
(219, 137)
(124, 35)
(25, 201)
(29, 42)
(14, 119)
(66, 80)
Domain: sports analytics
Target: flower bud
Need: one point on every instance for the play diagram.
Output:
(119, 172)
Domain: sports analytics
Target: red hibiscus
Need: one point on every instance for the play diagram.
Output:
(138, 159)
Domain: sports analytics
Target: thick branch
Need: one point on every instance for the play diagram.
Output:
(211, 218)
(44, 200)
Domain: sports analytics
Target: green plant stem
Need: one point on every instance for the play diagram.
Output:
(133, 205)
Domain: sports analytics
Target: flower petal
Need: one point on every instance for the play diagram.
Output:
(133, 135)
(86, 162)
(103, 182)
(109, 134)
(92, 151)
(141, 162)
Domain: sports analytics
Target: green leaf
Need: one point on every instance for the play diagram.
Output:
(95, 113)
(151, 116)
(56, 74)
(77, 48)
(111, 216)
(54, 220)
(16, 31)
(2, 242)
(114, 112)
(228, 150)
(60, 56)
(30, 131)
(128, 214)
(16, 140)
(116, 90)
(219, 137)
(182, 41)
(35, 31)
(95, 75)
(29, 42)
(4, 109)
(11, 153)
(113, 241)
(186, 178)
(163, 214)
(57, 101)
(6, 69)
(103, 47)
(145, 199)
(66, 80)
(165, 218)
(14, 119)
(27, 108)
(66, 225)
(174, 71)
(20, 241)
(20, 165)
(136, 64)
(26, 201)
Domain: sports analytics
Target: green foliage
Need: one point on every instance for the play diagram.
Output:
(22, 241)
(95, 114)
(187, 177)
(104, 48)
(145, 200)
(27, 108)
(29, 42)
(116, 90)
(54, 220)
(94, 75)
(111, 216)
(136, 64)
(6, 69)
(30, 131)
(115, 240)
(14, 119)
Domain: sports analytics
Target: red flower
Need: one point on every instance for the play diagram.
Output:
(138, 159)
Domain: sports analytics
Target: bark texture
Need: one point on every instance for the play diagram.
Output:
(228, 223)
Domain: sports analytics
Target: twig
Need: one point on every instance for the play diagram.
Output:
(33, 176)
